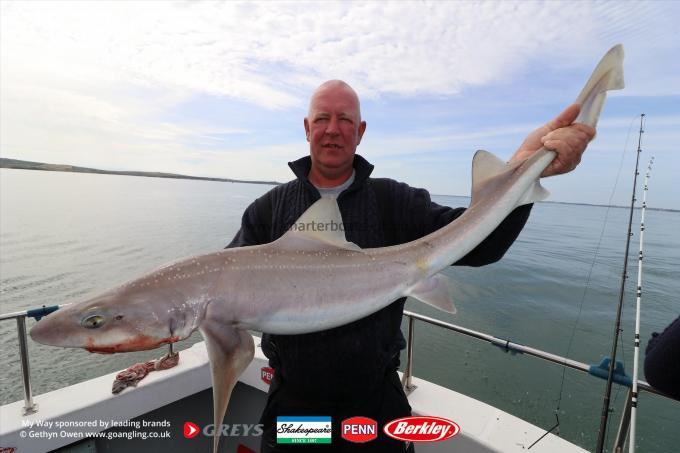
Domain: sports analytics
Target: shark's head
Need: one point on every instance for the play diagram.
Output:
(133, 317)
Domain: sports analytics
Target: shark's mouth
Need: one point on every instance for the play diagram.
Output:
(137, 343)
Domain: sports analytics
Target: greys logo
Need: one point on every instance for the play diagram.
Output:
(234, 430)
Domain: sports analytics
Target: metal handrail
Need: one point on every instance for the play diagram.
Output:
(508, 346)
(30, 407)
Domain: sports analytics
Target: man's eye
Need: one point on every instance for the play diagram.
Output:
(319, 120)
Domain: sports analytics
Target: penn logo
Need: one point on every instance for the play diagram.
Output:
(267, 374)
(359, 429)
(421, 429)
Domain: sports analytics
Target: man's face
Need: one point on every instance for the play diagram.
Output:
(334, 129)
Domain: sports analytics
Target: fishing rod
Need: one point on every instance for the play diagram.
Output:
(617, 325)
(636, 357)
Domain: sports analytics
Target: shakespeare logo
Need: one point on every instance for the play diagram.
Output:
(303, 430)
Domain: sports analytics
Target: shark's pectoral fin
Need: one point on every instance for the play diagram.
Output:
(434, 291)
(230, 351)
(319, 228)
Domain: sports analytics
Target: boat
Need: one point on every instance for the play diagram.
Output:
(170, 410)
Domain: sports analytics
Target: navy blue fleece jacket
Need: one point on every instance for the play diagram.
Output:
(662, 360)
(345, 362)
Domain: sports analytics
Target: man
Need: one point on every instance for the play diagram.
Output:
(351, 370)
(662, 360)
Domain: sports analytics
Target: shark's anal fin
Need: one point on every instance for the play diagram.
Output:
(230, 351)
(319, 228)
(434, 291)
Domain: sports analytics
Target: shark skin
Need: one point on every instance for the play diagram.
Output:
(309, 279)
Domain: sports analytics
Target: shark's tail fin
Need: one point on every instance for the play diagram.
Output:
(608, 75)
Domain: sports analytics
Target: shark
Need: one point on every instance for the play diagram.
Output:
(308, 280)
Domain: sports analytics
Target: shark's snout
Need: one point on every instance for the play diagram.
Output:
(41, 333)
(50, 330)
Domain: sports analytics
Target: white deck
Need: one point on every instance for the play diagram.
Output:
(483, 427)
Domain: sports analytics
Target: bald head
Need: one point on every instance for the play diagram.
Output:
(336, 85)
(333, 128)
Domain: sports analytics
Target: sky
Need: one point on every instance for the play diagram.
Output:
(220, 89)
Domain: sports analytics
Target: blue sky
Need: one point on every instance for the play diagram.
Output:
(221, 89)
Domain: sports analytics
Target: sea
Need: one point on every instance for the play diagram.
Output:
(66, 236)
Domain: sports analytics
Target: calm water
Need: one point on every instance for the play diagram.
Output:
(64, 236)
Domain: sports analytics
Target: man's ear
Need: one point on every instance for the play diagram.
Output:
(307, 129)
(362, 129)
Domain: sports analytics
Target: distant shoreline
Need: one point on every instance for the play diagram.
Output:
(576, 204)
(40, 166)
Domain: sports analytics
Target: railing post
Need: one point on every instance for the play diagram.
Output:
(29, 406)
(624, 425)
(406, 381)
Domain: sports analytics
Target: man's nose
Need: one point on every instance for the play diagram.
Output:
(332, 127)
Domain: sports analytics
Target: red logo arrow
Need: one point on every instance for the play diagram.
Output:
(190, 430)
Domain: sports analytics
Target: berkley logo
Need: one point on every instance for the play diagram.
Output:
(421, 429)
(359, 429)
(267, 374)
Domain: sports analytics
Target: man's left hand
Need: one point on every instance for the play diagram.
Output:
(568, 139)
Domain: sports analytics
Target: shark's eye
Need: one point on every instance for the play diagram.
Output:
(93, 321)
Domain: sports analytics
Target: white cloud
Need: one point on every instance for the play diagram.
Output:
(265, 52)
(90, 83)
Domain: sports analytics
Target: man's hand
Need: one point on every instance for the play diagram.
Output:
(568, 140)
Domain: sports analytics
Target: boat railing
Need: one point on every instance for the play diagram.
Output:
(600, 370)
(30, 406)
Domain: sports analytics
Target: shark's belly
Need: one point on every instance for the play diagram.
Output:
(289, 299)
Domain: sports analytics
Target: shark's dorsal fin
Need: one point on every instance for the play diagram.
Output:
(486, 166)
(319, 227)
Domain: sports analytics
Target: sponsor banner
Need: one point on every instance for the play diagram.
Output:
(421, 429)
(303, 430)
(359, 429)
(267, 374)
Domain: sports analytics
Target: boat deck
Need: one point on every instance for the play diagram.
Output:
(183, 394)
